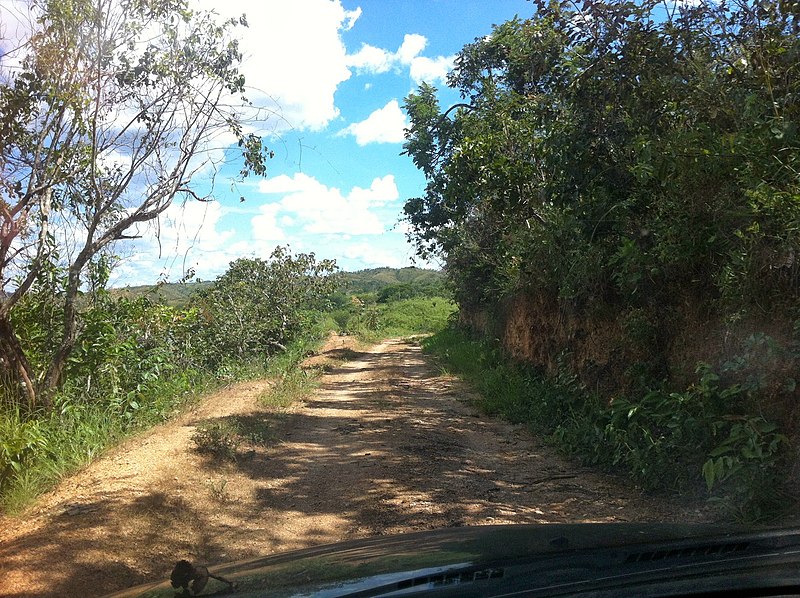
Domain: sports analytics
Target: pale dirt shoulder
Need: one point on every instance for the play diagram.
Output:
(386, 445)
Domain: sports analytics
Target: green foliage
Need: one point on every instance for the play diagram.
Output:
(382, 285)
(76, 429)
(291, 386)
(663, 440)
(396, 292)
(257, 306)
(96, 145)
(18, 441)
(591, 162)
(613, 158)
(175, 294)
(746, 461)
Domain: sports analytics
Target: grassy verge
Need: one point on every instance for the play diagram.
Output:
(292, 386)
(60, 441)
(692, 441)
(293, 382)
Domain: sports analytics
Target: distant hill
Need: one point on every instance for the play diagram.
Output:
(171, 293)
(373, 280)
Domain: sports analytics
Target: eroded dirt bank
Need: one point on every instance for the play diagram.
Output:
(385, 446)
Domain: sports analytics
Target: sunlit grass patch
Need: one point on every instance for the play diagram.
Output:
(406, 317)
(290, 387)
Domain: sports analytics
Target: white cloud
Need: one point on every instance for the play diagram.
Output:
(431, 70)
(372, 60)
(351, 17)
(413, 44)
(357, 228)
(370, 256)
(326, 210)
(265, 225)
(186, 236)
(385, 125)
(294, 55)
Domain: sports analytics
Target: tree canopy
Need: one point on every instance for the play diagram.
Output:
(257, 306)
(618, 150)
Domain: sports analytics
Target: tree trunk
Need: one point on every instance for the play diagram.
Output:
(55, 372)
(13, 363)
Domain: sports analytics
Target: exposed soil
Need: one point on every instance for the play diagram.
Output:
(386, 445)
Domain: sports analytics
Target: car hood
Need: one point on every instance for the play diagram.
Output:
(471, 560)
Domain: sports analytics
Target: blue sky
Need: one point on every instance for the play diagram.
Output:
(331, 75)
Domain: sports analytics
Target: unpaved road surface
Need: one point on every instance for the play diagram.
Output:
(386, 445)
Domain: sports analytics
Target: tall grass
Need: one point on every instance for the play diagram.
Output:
(50, 444)
(39, 449)
(291, 381)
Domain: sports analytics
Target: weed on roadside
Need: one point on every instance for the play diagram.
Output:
(218, 438)
(219, 490)
(665, 440)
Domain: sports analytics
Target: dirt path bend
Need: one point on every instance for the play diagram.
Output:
(386, 445)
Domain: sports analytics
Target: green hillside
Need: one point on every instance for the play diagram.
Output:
(373, 280)
(175, 294)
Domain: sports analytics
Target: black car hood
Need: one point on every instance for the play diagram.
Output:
(558, 559)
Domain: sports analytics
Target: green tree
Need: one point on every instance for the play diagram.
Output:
(103, 125)
(618, 150)
(257, 306)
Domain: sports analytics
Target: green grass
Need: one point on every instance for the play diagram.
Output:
(294, 385)
(72, 438)
(73, 433)
(39, 450)
(406, 317)
(505, 389)
(292, 381)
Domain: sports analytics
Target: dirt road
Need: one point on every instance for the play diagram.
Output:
(386, 445)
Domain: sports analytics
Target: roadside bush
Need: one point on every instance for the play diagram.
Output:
(134, 363)
(258, 306)
(19, 440)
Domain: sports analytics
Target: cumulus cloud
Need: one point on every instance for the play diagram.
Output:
(385, 125)
(413, 44)
(353, 226)
(372, 60)
(265, 225)
(431, 69)
(186, 236)
(370, 256)
(320, 209)
(294, 55)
